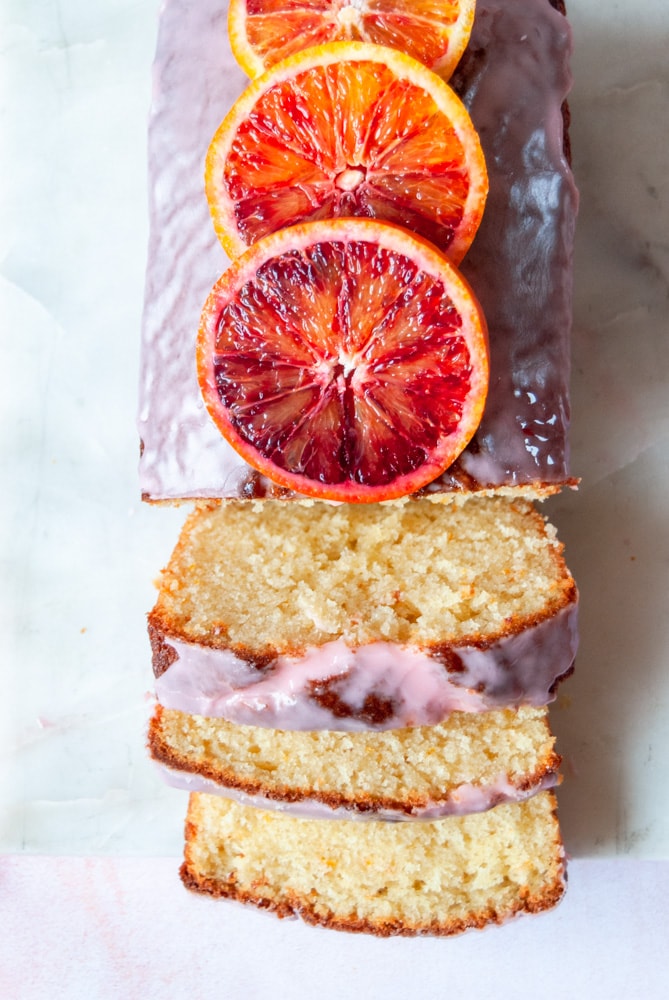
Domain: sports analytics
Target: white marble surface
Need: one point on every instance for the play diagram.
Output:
(123, 928)
(79, 551)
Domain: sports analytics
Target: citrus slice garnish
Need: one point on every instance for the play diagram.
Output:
(436, 32)
(344, 359)
(347, 129)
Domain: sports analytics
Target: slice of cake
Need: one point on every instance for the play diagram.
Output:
(467, 764)
(436, 877)
(513, 78)
(362, 617)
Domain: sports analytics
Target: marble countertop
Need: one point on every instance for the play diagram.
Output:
(132, 931)
(79, 549)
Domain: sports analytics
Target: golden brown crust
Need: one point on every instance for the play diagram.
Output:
(162, 627)
(293, 906)
(447, 653)
(162, 654)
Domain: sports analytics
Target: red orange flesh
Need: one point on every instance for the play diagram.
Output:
(347, 129)
(345, 360)
(436, 32)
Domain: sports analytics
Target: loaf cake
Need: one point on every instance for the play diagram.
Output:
(513, 78)
(326, 671)
(469, 763)
(437, 877)
(362, 616)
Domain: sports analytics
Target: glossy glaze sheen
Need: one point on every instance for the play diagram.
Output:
(514, 78)
(379, 686)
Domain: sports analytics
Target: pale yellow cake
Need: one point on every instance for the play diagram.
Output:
(439, 877)
(469, 763)
(288, 576)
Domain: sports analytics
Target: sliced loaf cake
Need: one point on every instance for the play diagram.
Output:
(374, 663)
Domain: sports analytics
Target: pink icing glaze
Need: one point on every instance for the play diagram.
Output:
(466, 798)
(514, 78)
(378, 686)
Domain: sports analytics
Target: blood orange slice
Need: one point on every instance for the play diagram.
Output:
(347, 129)
(436, 32)
(344, 359)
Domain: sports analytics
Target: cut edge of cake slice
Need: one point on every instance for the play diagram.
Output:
(470, 763)
(439, 877)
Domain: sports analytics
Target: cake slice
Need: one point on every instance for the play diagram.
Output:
(437, 877)
(362, 617)
(469, 763)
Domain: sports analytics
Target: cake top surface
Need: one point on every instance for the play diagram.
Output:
(513, 78)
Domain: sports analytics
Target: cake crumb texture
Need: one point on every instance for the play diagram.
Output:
(439, 877)
(274, 577)
(404, 769)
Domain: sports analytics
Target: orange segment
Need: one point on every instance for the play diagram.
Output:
(347, 129)
(344, 359)
(263, 32)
